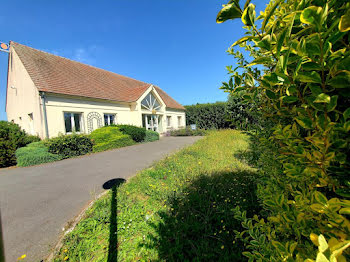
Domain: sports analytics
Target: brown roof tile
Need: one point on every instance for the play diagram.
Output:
(55, 74)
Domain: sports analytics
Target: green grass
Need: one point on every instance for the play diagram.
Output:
(178, 210)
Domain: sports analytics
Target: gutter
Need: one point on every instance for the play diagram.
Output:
(43, 102)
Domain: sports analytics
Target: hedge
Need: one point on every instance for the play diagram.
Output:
(207, 116)
(69, 145)
(109, 137)
(136, 133)
(151, 136)
(34, 154)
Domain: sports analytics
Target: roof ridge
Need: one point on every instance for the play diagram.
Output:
(71, 60)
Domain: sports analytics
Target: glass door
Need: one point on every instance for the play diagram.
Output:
(151, 122)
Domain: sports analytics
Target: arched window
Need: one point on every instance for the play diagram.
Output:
(150, 103)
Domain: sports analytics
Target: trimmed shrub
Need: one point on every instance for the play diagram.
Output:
(69, 145)
(11, 138)
(188, 132)
(37, 144)
(109, 137)
(137, 133)
(207, 116)
(151, 136)
(35, 155)
(117, 142)
(30, 139)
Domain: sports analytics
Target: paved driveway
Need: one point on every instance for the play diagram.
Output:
(36, 202)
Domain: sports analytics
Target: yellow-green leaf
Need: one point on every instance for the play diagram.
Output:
(314, 238)
(345, 211)
(309, 77)
(311, 15)
(242, 40)
(322, 243)
(344, 24)
(321, 258)
(248, 15)
(322, 98)
(229, 11)
(320, 198)
(269, 14)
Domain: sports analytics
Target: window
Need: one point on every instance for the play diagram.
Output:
(179, 121)
(168, 120)
(150, 103)
(72, 122)
(109, 119)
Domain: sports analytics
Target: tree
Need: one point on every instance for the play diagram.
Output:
(300, 79)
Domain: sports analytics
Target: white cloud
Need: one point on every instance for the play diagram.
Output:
(81, 54)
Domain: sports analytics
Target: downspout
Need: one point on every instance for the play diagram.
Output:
(43, 102)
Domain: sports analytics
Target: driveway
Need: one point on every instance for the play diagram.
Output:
(36, 202)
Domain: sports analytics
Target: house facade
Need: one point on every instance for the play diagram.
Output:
(48, 95)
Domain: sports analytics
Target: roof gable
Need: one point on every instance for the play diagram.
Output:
(55, 74)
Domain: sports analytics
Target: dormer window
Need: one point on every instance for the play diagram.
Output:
(150, 103)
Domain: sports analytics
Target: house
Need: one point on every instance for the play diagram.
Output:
(48, 95)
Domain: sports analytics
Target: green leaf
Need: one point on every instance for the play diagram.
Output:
(346, 113)
(345, 211)
(265, 42)
(304, 122)
(310, 66)
(344, 24)
(315, 89)
(320, 198)
(261, 60)
(229, 11)
(269, 14)
(248, 16)
(341, 80)
(309, 77)
(270, 94)
(332, 104)
(289, 99)
(280, 41)
(322, 98)
(311, 16)
(242, 40)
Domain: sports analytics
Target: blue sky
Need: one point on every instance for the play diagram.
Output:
(174, 44)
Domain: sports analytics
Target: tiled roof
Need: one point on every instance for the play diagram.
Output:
(55, 74)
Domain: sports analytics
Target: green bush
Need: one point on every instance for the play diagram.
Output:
(188, 132)
(37, 144)
(299, 77)
(69, 145)
(116, 142)
(151, 136)
(30, 139)
(136, 133)
(11, 138)
(109, 137)
(35, 155)
(207, 116)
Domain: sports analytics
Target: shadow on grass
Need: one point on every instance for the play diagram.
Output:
(199, 223)
(113, 237)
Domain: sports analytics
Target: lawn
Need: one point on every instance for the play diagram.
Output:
(178, 210)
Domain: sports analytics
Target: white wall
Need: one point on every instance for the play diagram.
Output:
(57, 105)
(174, 114)
(23, 99)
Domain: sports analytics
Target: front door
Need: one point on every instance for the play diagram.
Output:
(151, 122)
